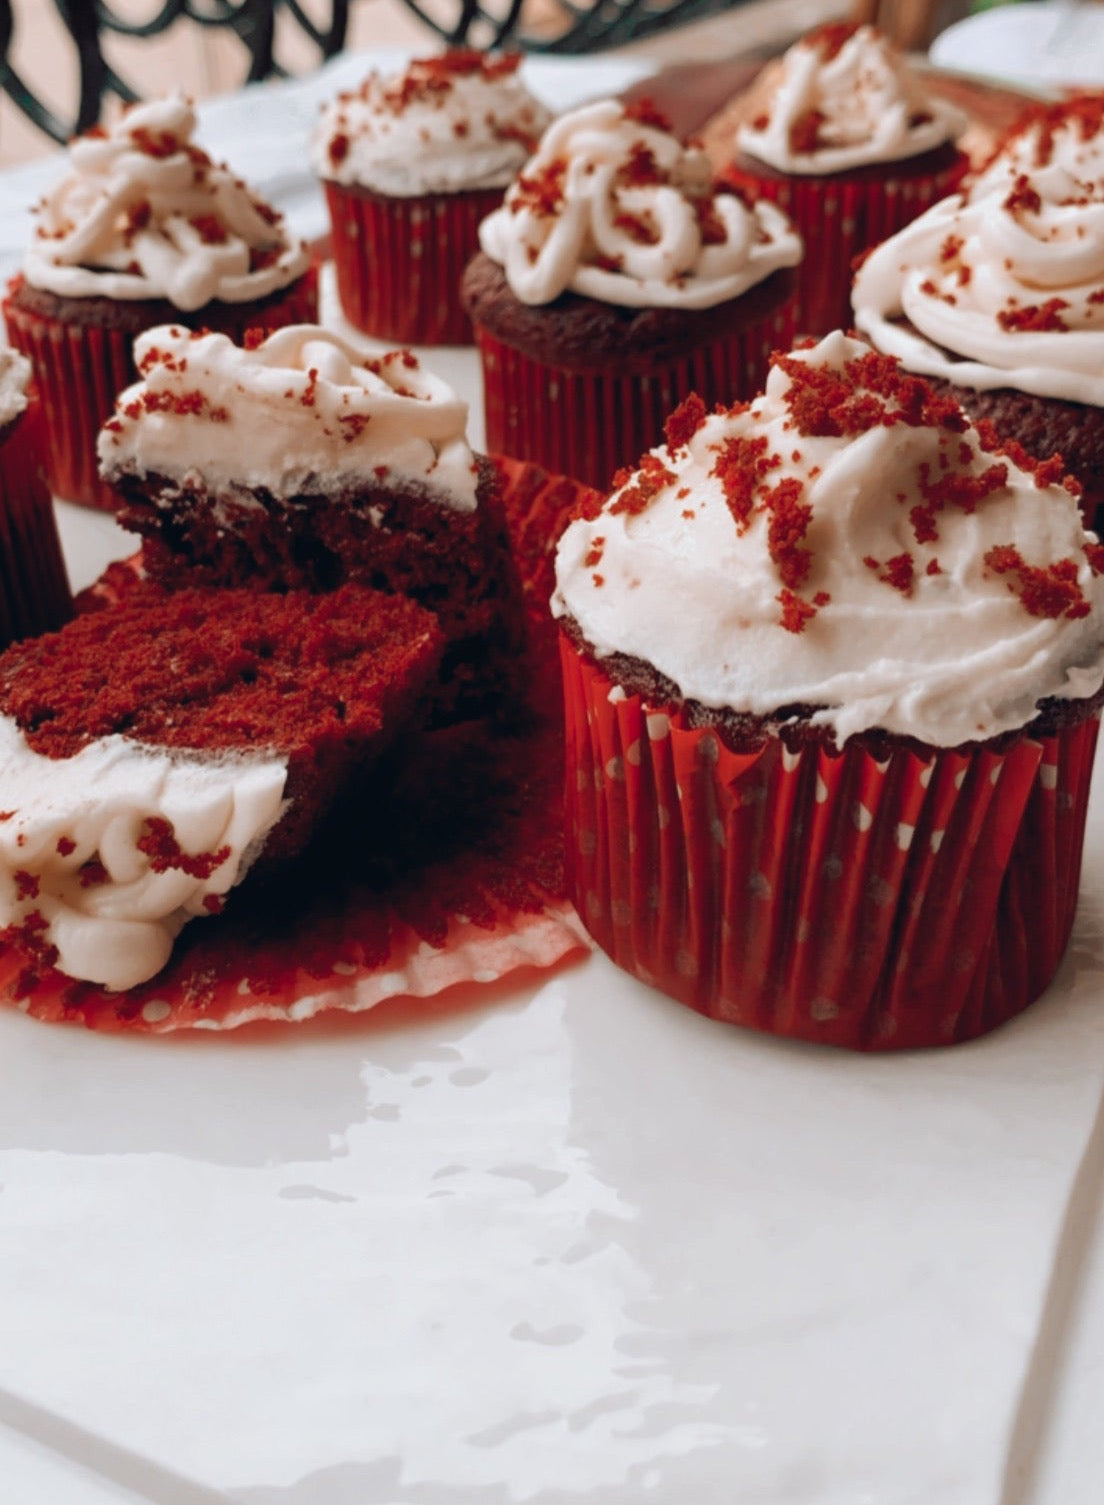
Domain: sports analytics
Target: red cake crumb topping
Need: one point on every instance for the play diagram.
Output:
(741, 466)
(1052, 591)
(830, 39)
(430, 79)
(1023, 196)
(540, 192)
(184, 404)
(158, 841)
(646, 112)
(790, 516)
(1034, 317)
(804, 133)
(684, 422)
(66, 846)
(209, 228)
(155, 143)
(873, 389)
(338, 148)
(26, 884)
(898, 572)
(640, 170)
(1085, 113)
(650, 479)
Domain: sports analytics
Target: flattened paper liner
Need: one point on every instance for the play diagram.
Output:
(871, 905)
(34, 588)
(463, 880)
(398, 261)
(840, 218)
(80, 370)
(590, 424)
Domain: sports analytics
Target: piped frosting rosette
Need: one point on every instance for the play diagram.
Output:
(617, 209)
(1003, 287)
(844, 98)
(843, 796)
(301, 411)
(144, 213)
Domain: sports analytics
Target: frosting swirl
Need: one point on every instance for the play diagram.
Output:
(846, 542)
(1001, 288)
(846, 98)
(459, 121)
(1069, 135)
(612, 206)
(302, 411)
(77, 861)
(144, 213)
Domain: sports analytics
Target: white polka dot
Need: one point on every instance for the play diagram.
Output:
(659, 726)
(960, 778)
(862, 817)
(717, 831)
(663, 817)
(790, 760)
(617, 695)
(881, 767)
(937, 840)
(821, 790)
(156, 1010)
(905, 833)
(615, 770)
(995, 773)
(709, 749)
(632, 753)
(823, 1009)
(926, 774)
(1048, 775)
(759, 885)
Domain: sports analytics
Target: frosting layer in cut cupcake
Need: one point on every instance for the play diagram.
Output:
(849, 549)
(462, 120)
(614, 207)
(845, 98)
(303, 411)
(144, 213)
(1001, 287)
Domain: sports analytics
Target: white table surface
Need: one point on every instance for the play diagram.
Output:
(562, 1243)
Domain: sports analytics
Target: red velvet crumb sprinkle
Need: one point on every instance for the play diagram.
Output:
(160, 845)
(684, 422)
(1052, 591)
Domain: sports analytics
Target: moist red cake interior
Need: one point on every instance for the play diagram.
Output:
(326, 681)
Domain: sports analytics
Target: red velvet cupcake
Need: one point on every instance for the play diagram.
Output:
(34, 588)
(411, 164)
(844, 137)
(833, 667)
(299, 462)
(153, 754)
(614, 281)
(146, 228)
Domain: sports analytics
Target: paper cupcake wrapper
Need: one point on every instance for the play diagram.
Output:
(487, 909)
(80, 371)
(871, 905)
(590, 424)
(398, 262)
(839, 220)
(34, 588)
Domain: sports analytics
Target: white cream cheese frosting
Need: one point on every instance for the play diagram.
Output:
(303, 411)
(846, 98)
(83, 856)
(997, 288)
(614, 207)
(144, 213)
(846, 542)
(1070, 134)
(447, 124)
(15, 378)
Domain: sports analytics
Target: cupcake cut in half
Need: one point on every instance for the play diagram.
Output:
(844, 136)
(613, 281)
(154, 753)
(833, 665)
(301, 462)
(997, 294)
(411, 163)
(144, 227)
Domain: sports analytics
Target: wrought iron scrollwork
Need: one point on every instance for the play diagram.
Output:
(90, 22)
(557, 25)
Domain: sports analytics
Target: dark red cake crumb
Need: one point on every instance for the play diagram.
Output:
(684, 422)
(1052, 592)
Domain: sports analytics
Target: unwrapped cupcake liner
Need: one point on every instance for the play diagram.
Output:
(81, 369)
(398, 261)
(34, 587)
(838, 219)
(873, 905)
(591, 423)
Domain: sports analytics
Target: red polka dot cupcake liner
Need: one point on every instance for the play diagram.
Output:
(588, 424)
(398, 262)
(873, 905)
(81, 369)
(839, 219)
(34, 588)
